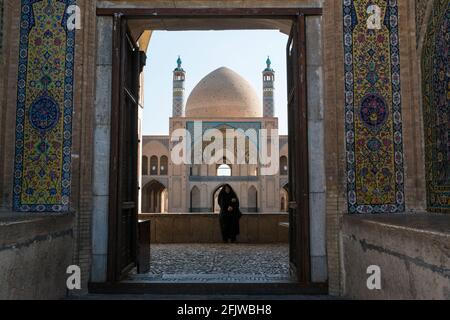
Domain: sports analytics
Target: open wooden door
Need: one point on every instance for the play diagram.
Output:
(123, 215)
(299, 239)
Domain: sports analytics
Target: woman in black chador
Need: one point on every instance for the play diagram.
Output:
(230, 214)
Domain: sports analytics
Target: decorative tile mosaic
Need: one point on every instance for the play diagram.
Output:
(436, 106)
(421, 10)
(44, 107)
(373, 115)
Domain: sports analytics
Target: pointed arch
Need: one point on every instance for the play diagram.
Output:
(195, 199)
(154, 166)
(252, 198)
(145, 166)
(154, 197)
(164, 166)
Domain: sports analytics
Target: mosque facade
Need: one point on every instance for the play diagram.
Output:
(223, 100)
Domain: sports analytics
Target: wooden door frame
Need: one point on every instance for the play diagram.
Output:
(296, 14)
(120, 30)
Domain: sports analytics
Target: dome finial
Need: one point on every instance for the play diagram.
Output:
(179, 62)
(269, 62)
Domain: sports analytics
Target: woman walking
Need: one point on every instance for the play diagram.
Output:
(230, 214)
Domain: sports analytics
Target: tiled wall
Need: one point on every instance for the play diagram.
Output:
(373, 113)
(436, 101)
(421, 10)
(42, 172)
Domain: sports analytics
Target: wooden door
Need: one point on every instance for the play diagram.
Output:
(127, 65)
(298, 153)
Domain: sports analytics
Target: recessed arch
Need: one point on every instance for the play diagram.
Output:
(164, 166)
(145, 166)
(154, 165)
(224, 170)
(154, 197)
(284, 166)
(252, 198)
(195, 199)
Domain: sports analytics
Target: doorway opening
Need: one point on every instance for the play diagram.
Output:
(123, 219)
(155, 198)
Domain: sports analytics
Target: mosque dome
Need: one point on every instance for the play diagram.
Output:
(223, 94)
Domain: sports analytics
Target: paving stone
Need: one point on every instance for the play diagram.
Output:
(217, 263)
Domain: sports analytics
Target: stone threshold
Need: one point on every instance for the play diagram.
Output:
(210, 278)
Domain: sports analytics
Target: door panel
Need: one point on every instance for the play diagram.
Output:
(298, 153)
(124, 153)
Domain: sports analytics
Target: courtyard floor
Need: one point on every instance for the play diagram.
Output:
(231, 263)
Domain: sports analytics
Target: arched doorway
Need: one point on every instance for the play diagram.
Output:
(298, 130)
(154, 198)
(216, 207)
(195, 199)
(252, 199)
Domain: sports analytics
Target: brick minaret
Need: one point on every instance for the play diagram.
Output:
(269, 91)
(179, 77)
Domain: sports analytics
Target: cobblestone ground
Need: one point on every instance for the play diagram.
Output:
(217, 262)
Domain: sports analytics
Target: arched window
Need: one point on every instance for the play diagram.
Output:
(284, 166)
(195, 199)
(252, 199)
(145, 166)
(164, 169)
(154, 166)
(224, 170)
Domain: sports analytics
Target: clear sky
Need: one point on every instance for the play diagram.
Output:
(244, 51)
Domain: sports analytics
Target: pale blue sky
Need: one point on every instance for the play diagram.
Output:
(244, 51)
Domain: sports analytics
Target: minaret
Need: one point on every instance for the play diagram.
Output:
(269, 90)
(179, 77)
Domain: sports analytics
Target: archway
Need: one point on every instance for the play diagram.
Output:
(252, 199)
(145, 166)
(154, 198)
(164, 166)
(154, 166)
(300, 257)
(284, 166)
(195, 199)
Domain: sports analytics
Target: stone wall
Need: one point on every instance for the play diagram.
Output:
(204, 228)
(411, 251)
(34, 256)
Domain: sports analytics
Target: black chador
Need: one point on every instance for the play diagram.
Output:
(230, 214)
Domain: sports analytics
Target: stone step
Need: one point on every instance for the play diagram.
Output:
(210, 289)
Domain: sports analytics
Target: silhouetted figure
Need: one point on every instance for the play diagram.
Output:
(230, 214)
